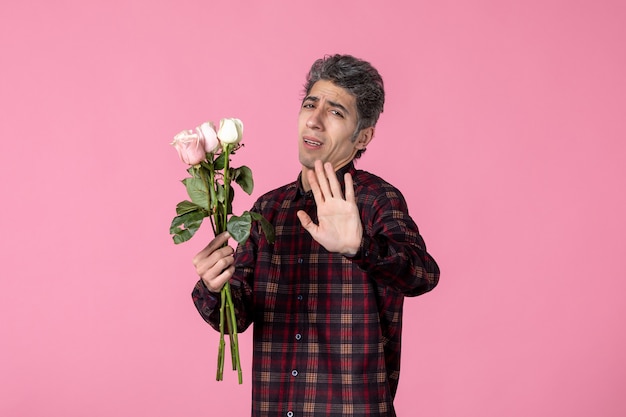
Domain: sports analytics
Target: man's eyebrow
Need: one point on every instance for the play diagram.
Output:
(315, 99)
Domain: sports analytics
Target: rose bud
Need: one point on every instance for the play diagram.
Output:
(190, 147)
(231, 131)
(207, 131)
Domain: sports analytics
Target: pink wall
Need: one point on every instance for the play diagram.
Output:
(504, 128)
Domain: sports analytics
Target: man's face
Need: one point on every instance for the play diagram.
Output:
(326, 125)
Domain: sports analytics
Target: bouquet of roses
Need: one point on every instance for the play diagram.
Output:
(208, 152)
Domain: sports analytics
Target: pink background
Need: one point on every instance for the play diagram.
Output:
(504, 127)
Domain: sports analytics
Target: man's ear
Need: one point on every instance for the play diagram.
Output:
(364, 138)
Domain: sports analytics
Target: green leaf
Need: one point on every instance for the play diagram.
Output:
(221, 197)
(220, 161)
(208, 164)
(239, 227)
(186, 206)
(184, 226)
(231, 199)
(243, 177)
(198, 192)
(268, 229)
(221, 193)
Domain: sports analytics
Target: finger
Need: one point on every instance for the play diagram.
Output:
(315, 187)
(216, 284)
(215, 262)
(218, 267)
(305, 219)
(349, 187)
(215, 278)
(307, 223)
(322, 179)
(216, 243)
(332, 180)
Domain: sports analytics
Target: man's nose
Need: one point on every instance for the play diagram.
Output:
(315, 119)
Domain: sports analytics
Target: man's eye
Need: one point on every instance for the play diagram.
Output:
(337, 113)
(308, 106)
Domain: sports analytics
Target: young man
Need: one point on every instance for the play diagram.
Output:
(326, 298)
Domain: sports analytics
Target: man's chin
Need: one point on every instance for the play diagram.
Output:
(307, 162)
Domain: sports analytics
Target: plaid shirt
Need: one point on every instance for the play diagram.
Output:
(327, 327)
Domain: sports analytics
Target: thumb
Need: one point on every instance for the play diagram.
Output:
(306, 221)
(215, 244)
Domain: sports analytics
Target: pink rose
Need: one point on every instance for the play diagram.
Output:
(207, 131)
(190, 147)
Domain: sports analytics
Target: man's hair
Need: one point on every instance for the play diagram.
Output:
(359, 78)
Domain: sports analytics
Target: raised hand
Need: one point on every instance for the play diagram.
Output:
(340, 229)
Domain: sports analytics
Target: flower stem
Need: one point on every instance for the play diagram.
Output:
(212, 195)
(220, 353)
(227, 317)
(234, 339)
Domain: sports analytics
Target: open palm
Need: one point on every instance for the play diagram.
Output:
(339, 229)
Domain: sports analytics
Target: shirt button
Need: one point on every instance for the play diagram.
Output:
(300, 297)
(298, 336)
(294, 373)
(300, 260)
(289, 413)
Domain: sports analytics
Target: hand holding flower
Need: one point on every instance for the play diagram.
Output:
(209, 188)
(215, 263)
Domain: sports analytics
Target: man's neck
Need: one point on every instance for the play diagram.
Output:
(306, 186)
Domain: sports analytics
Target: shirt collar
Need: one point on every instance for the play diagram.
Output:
(340, 174)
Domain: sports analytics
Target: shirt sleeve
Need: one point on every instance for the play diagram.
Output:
(392, 250)
(207, 304)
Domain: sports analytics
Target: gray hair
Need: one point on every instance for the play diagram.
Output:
(359, 78)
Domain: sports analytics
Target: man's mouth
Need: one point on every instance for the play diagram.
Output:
(312, 142)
